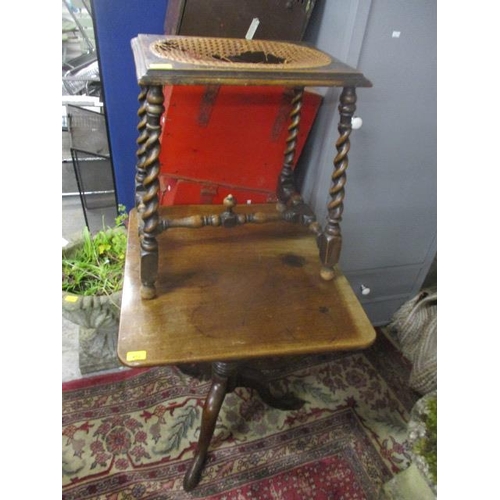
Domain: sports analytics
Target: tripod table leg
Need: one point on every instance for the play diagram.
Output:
(220, 375)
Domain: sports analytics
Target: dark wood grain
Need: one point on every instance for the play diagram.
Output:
(229, 294)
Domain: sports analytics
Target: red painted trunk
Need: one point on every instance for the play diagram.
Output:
(222, 140)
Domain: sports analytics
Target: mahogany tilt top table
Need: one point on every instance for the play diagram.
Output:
(229, 285)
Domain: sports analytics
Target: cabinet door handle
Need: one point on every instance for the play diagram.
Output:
(365, 290)
(356, 122)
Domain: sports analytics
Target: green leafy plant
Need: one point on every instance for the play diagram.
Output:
(427, 446)
(95, 265)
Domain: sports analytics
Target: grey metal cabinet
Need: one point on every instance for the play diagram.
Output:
(389, 221)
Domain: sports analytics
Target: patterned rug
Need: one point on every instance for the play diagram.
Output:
(131, 435)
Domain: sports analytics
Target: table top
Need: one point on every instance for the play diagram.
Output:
(224, 294)
(188, 60)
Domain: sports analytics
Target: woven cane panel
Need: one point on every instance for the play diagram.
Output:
(239, 53)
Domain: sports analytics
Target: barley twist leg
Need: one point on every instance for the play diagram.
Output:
(149, 212)
(330, 241)
(140, 173)
(286, 181)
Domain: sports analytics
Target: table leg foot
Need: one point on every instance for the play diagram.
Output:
(193, 475)
(327, 273)
(148, 292)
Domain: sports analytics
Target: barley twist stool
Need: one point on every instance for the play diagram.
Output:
(252, 281)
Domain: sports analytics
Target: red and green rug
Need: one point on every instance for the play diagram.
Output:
(131, 435)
